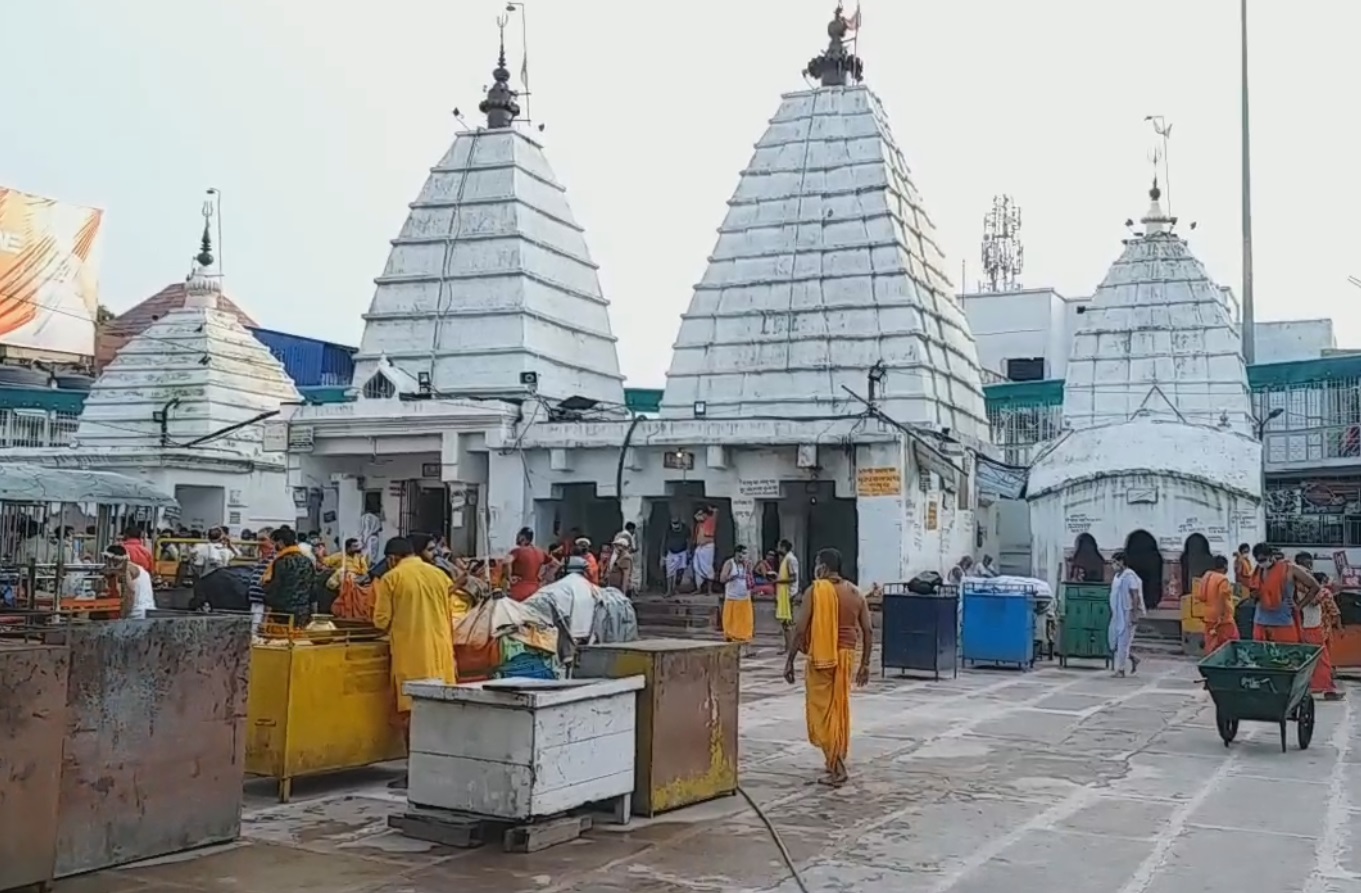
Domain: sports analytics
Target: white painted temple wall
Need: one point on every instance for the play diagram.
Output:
(1111, 508)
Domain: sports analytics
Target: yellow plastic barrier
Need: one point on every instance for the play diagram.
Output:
(319, 702)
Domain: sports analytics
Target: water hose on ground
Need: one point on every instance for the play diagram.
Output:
(779, 842)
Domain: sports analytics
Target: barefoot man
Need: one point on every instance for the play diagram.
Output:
(826, 630)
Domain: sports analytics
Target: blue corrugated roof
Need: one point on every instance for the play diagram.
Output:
(292, 337)
(310, 362)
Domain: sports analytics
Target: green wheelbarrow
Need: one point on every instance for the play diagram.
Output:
(1262, 682)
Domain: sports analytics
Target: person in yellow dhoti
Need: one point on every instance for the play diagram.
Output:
(786, 584)
(413, 604)
(739, 616)
(826, 631)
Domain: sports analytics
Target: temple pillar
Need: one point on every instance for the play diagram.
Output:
(349, 505)
(884, 514)
(510, 503)
(746, 521)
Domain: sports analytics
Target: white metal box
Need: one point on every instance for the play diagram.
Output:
(521, 753)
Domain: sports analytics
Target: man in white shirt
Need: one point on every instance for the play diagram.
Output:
(1127, 604)
(209, 556)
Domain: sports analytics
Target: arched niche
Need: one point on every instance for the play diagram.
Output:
(1196, 560)
(1088, 564)
(1143, 557)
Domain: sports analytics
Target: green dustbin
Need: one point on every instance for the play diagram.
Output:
(1084, 623)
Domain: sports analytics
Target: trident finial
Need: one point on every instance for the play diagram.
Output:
(205, 254)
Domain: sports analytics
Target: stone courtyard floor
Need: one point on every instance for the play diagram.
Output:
(996, 781)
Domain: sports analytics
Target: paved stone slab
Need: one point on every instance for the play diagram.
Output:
(1258, 862)
(1137, 819)
(265, 868)
(1048, 859)
(1259, 804)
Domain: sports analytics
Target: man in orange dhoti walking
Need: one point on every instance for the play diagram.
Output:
(1220, 626)
(833, 612)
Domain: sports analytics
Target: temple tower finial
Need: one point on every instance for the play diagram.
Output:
(204, 258)
(201, 286)
(835, 65)
(500, 106)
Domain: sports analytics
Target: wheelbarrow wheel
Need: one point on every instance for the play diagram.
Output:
(1228, 726)
(1304, 722)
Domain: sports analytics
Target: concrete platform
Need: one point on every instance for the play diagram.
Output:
(997, 781)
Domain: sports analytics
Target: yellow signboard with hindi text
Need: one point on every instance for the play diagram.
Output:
(883, 481)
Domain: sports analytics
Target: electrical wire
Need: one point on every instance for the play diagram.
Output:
(60, 312)
(779, 841)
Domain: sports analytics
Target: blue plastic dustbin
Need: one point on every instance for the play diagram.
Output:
(920, 632)
(999, 623)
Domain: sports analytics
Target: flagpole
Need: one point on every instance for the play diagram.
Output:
(1249, 308)
(855, 41)
(515, 6)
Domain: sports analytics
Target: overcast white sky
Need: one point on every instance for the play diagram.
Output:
(319, 121)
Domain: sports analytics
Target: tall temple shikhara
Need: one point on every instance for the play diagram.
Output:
(827, 269)
(490, 279)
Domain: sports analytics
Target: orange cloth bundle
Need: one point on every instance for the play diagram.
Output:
(355, 601)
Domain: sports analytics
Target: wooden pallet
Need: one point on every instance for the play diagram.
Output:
(467, 831)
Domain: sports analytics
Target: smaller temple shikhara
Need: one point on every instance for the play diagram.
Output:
(1159, 457)
(824, 386)
(180, 406)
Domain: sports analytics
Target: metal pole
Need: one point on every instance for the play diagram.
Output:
(1167, 168)
(221, 268)
(524, 53)
(217, 198)
(1249, 314)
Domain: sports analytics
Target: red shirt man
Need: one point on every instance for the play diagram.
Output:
(138, 553)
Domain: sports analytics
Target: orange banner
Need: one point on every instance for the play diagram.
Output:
(49, 282)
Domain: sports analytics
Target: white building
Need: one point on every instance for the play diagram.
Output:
(1160, 454)
(826, 289)
(181, 406)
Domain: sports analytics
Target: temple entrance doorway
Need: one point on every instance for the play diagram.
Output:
(812, 517)
(580, 512)
(1142, 557)
(682, 503)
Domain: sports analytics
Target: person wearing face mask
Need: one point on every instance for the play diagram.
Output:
(832, 616)
(1281, 587)
(1127, 603)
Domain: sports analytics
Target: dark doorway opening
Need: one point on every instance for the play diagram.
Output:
(686, 498)
(813, 518)
(1142, 557)
(1087, 565)
(1196, 560)
(580, 512)
(770, 525)
(426, 510)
